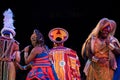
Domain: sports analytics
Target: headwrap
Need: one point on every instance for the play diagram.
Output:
(100, 25)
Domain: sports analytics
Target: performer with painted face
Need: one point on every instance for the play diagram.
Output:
(42, 68)
(100, 48)
(65, 60)
(9, 48)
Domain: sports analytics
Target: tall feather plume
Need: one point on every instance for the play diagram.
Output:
(8, 23)
(8, 19)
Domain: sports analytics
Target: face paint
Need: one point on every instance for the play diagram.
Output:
(107, 28)
(105, 31)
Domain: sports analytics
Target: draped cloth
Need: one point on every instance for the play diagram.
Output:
(42, 69)
(66, 63)
(94, 47)
(7, 56)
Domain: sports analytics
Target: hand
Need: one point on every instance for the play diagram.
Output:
(26, 49)
(20, 67)
(25, 55)
(111, 46)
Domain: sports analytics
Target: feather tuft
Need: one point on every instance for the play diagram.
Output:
(8, 19)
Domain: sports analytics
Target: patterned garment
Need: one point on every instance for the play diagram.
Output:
(7, 57)
(100, 71)
(66, 63)
(42, 69)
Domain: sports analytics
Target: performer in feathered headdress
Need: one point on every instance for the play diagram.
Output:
(65, 60)
(9, 48)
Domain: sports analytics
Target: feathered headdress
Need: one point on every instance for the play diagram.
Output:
(8, 21)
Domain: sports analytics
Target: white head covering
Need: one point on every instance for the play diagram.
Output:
(8, 23)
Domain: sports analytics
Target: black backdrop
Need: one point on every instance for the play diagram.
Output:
(78, 17)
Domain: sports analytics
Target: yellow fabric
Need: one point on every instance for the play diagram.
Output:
(66, 65)
(99, 71)
(58, 56)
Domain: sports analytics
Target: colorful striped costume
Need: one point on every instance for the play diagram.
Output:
(42, 69)
(8, 49)
(66, 63)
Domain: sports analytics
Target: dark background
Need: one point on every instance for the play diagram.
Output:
(78, 17)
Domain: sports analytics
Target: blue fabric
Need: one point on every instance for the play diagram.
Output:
(117, 71)
(54, 72)
(43, 54)
(38, 64)
(6, 32)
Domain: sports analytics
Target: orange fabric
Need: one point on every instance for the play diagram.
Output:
(98, 71)
(66, 64)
